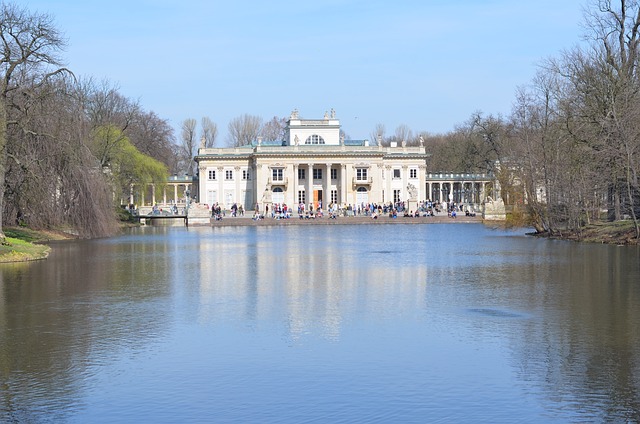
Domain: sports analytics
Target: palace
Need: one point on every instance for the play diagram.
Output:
(315, 166)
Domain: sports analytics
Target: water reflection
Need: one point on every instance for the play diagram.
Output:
(297, 275)
(330, 323)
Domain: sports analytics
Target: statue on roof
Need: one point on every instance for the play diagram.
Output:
(296, 140)
(333, 114)
(294, 114)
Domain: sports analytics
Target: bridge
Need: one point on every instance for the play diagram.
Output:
(167, 220)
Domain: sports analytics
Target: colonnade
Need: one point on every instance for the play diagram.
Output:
(459, 188)
(171, 193)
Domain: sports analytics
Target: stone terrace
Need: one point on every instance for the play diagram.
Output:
(247, 221)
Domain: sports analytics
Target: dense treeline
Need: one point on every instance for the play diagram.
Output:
(567, 153)
(69, 147)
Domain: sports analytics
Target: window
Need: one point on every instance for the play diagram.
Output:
(277, 174)
(212, 174)
(301, 174)
(413, 173)
(245, 175)
(396, 173)
(317, 173)
(361, 174)
(334, 196)
(396, 195)
(228, 175)
(334, 174)
(314, 139)
(302, 197)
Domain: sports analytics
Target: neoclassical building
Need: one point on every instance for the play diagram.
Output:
(312, 165)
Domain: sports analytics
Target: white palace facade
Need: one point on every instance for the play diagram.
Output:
(315, 165)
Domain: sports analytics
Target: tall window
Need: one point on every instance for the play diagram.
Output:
(396, 173)
(277, 174)
(228, 174)
(396, 196)
(413, 173)
(317, 173)
(314, 139)
(302, 197)
(301, 174)
(361, 174)
(334, 196)
(212, 174)
(334, 174)
(246, 175)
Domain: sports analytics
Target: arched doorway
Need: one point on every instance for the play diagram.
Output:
(278, 195)
(362, 196)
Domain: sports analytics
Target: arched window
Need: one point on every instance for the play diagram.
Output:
(314, 139)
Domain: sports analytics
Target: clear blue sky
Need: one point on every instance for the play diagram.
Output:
(424, 63)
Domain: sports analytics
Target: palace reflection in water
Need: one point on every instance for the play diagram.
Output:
(311, 284)
(343, 323)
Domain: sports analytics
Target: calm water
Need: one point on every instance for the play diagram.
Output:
(381, 323)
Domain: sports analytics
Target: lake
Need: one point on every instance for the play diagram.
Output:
(313, 324)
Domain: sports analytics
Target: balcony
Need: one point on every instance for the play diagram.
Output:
(278, 182)
(362, 182)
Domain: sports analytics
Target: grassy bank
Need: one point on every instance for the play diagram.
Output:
(618, 232)
(23, 244)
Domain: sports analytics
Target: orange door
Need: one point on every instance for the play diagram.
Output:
(317, 198)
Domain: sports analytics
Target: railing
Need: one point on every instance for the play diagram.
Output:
(362, 181)
(283, 182)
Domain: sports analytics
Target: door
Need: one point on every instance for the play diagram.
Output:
(362, 196)
(317, 198)
(278, 196)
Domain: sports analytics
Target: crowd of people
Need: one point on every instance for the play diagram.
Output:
(333, 210)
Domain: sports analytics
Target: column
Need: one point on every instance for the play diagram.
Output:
(404, 192)
(326, 195)
(237, 191)
(261, 183)
(343, 185)
(294, 187)
(309, 188)
(388, 177)
(422, 183)
(220, 175)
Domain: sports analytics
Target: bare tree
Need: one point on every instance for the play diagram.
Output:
(378, 134)
(154, 137)
(403, 133)
(30, 44)
(601, 104)
(274, 130)
(188, 145)
(209, 132)
(244, 129)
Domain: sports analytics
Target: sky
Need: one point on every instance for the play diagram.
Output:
(425, 64)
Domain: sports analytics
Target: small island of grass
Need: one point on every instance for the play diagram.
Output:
(23, 244)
